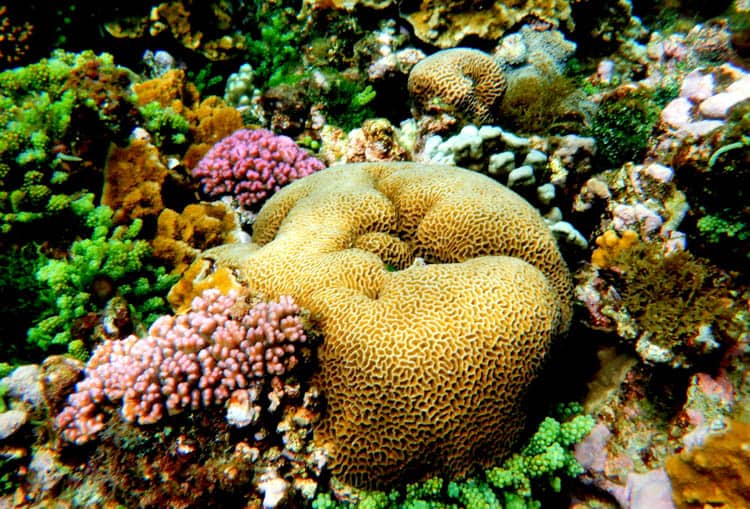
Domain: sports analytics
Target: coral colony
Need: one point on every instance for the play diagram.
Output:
(250, 165)
(195, 360)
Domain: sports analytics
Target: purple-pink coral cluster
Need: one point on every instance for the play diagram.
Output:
(192, 360)
(250, 165)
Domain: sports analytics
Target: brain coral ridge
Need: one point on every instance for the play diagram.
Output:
(426, 366)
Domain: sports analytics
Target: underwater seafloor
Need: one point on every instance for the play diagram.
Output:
(375, 254)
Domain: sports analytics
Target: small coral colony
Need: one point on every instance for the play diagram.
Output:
(375, 254)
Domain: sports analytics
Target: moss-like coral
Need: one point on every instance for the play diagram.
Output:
(57, 117)
(622, 125)
(671, 297)
(538, 470)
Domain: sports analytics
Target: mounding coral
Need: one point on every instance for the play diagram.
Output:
(459, 81)
(425, 367)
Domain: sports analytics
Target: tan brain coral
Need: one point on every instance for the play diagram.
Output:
(424, 368)
(462, 81)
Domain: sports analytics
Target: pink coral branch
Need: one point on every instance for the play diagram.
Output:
(191, 361)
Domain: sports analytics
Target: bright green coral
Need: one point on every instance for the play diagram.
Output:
(113, 254)
(37, 138)
(543, 464)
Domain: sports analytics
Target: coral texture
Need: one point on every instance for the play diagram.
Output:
(251, 164)
(462, 80)
(181, 236)
(194, 360)
(426, 366)
(716, 474)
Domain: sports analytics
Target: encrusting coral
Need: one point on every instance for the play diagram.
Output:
(459, 81)
(716, 474)
(426, 366)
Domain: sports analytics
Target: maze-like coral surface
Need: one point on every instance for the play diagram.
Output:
(425, 366)
(466, 81)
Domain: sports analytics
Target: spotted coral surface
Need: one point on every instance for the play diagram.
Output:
(462, 81)
(426, 366)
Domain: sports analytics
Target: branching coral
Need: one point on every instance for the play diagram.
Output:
(249, 166)
(541, 466)
(109, 258)
(216, 351)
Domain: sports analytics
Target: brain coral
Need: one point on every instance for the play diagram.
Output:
(466, 81)
(425, 367)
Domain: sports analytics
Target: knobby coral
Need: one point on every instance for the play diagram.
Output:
(194, 360)
(460, 80)
(426, 366)
(251, 164)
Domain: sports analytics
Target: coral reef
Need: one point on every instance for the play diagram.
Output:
(458, 81)
(473, 236)
(250, 166)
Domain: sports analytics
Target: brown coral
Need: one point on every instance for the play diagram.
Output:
(716, 474)
(459, 81)
(424, 368)
(134, 176)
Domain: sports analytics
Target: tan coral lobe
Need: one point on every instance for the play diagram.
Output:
(463, 81)
(426, 367)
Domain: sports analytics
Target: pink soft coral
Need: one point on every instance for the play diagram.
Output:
(250, 165)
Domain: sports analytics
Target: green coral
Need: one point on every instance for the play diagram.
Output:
(37, 105)
(169, 129)
(273, 48)
(541, 465)
(716, 229)
(111, 253)
(622, 126)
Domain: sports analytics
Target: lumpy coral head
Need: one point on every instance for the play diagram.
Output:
(460, 81)
(438, 292)
(250, 165)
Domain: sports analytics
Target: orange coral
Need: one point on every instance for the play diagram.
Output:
(166, 89)
(716, 474)
(610, 244)
(134, 176)
(212, 120)
(181, 237)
